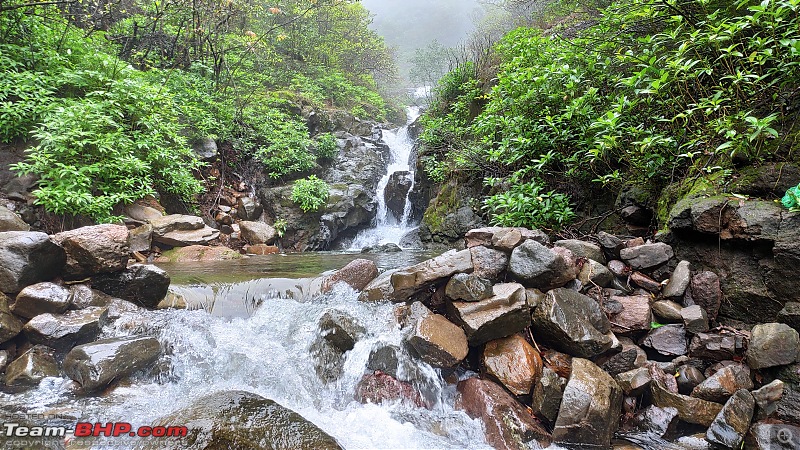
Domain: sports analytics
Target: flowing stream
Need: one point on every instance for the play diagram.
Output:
(263, 348)
(390, 229)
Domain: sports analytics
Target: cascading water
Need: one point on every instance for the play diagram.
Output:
(392, 223)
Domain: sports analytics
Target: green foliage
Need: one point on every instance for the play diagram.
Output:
(280, 140)
(280, 226)
(310, 193)
(325, 146)
(525, 204)
(792, 199)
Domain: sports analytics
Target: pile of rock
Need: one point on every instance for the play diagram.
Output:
(585, 334)
(56, 294)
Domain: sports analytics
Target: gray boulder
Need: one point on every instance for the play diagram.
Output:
(790, 315)
(10, 221)
(504, 314)
(773, 436)
(547, 395)
(488, 263)
(340, 329)
(64, 331)
(257, 232)
(95, 249)
(31, 367)
(411, 280)
(669, 340)
(773, 344)
(678, 282)
(396, 193)
(695, 319)
(535, 265)
(41, 298)
(205, 149)
(572, 323)
(468, 288)
(144, 285)
(182, 230)
(647, 256)
(97, 364)
(27, 258)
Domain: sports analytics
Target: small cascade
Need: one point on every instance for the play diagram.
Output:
(392, 221)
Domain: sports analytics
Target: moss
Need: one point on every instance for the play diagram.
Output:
(444, 203)
(689, 188)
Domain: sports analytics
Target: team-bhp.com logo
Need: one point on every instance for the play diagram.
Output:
(87, 429)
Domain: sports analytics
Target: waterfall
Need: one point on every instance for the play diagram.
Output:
(390, 227)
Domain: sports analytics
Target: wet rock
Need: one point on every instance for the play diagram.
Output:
(357, 274)
(382, 248)
(488, 263)
(610, 243)
(767, 399)
(732, 423)
(144, 285)
(10, 221)
(380, 387)
(533, 297)
(656, 421)
(547, 394)
(389, 360)
(141, 238)
(634, 382)
(647, 256)
(141, 212)
(790, 315)
(240, 420)
(772, 344)
(718, 346)
(594, 273)
(27, 258)
(695, 319)
(249, 208)
(41, 298)
(97, 364)
(583, 249)
(514, 363)
(64, 331)
(619, 268)
(378, 289)
(507, 239)
(199, 253)
(396, 193)
(327, 359)
(773, 436)
(629, 358)
(573, 323)
(31, 367)
(535, 265)
(507, 424)
(10, 326)
(645, 282)
(678, 282)
(635, 315)
(720, 386)
(4, 359)
(668, 311)
(468, 288)
(436, 340)
(690, 409)
(559, 362)
(406, 282)
(669, 340)
(501, 315)
(590, 407)
(95, 249)
(182, 230)
(688, 378)
(261, 249)
(502, 237)
(705, 291)
(257, 232)
(340, 329)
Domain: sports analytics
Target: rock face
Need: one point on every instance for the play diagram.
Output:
(31, 367)
(95, 249)
(507, 424)
(257, 232)
(144, 285)
(10, 326)
(10, 221)
(573, 323)
(535, 265)
(773, 344)
(732, 423)
(357, 274)
(514, 363)
(181, 230)
(64, 331)
(27, 258)
(396, 193)
(435, 339)
(241, 420)
(589, 409)
(647, 256)
(41, 298)
(249, 208)
(95, 365)
(503, 314)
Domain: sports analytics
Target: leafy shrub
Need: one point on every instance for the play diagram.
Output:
(524, 204)
(325, 146)
(281, 141)
(310, 193)
(792, 199)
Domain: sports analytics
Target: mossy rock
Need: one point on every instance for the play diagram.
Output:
(195, 253)
(684, 191)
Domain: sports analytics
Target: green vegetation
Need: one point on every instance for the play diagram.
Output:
(651, 93)
(111, 99)
(310, 193)
(792, 199)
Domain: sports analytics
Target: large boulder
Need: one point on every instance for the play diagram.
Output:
(590, 407)
(417, 278)
(95, 365)
(257, 232)
(64, 331)
(572, 323)
(535, 265)
(249, 208)
(10, 221)
(10, 325)
(488, 263)
(27, 258)
(501, 315)
(514, 363)
(95, 249)
(380, 387)
(240, 420)
(144, 285)
(31, 367)
(357, 274)
(507, 424)
(773, 344)
(180, 230)
(436, 340)
(396, 193)
(41, 298)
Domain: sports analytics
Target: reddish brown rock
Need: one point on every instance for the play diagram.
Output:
(705, 291)
(560, 363)
(262, 249)
(380, 387)
(357, 274)
(438, 342)
(514, 363)
(95, 249)
(635, 315)
(645, 282)
(508, 425)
